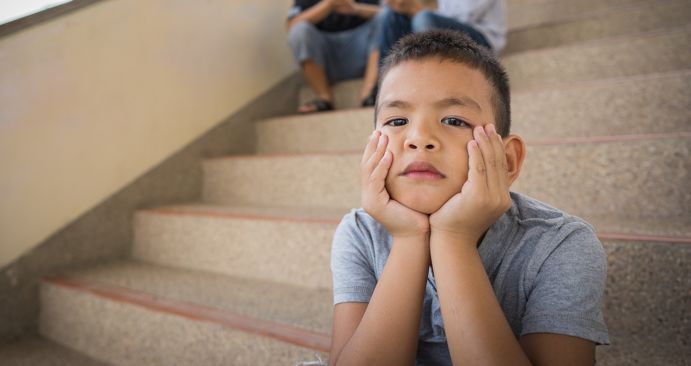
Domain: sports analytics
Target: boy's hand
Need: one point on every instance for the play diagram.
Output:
(397, 219)
(484, 197)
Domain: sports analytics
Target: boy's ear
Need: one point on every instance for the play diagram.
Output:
(515, 154)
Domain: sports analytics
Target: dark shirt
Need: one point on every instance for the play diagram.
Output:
(334, 22)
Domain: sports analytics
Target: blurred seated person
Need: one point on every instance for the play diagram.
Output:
(484, 21)
(332, 40)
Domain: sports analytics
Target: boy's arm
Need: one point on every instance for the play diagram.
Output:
(476, 329)
(385, 331)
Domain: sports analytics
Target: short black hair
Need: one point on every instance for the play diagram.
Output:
(455, 46)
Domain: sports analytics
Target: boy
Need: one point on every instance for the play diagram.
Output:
(516, 281)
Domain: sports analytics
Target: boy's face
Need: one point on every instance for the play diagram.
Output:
(428, 109)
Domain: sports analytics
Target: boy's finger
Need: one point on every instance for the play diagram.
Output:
(477, 174)
(371, 145)
(500, 155)
(487, 156)
(377, 179)
(379, 150)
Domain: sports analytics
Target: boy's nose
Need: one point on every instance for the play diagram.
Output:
(422, 140)
(429, 146)
(421, 134)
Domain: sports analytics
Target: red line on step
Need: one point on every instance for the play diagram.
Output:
(532, 142)
(221, 214)
(617, 39)
(283, 332)
(590, 83)
(203, 213)
(287, 155)
(645, 238)
(605, 139)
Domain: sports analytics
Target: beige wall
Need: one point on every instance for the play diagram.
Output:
(91, 100)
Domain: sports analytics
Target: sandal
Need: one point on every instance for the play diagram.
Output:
(319, 105)
(371, 98)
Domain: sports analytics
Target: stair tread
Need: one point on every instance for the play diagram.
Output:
(564, 28)
(37, 351)
(609, 226)
(305, 308)
(292, 213)
(630, 54)
(616, 106)
(581, 176)
(529, 15)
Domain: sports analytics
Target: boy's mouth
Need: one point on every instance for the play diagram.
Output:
(422, 170)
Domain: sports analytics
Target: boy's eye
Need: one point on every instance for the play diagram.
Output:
(396, 122)
(453, 121)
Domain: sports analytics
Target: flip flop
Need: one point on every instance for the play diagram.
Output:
(371, 98)
(320, 105)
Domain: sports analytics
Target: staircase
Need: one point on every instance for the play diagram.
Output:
(602, 94)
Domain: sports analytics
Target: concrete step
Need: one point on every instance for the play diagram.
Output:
(345, 94)
(277, 244)
(646, 304)
(643, 53)
(36, 351)
(614, 57)
(292, 245)
(638, 311)
(133, 313)
(531, 13)
(603, 107)
(634, 17)
(640, 175)
(641, 178)
(136, 314)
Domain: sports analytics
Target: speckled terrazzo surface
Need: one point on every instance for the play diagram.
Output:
(615, 106)
(647, 304)
(36, 351)
(280, 251)
(132, 335)
(300, 306)
(582, 179)
(620, 20)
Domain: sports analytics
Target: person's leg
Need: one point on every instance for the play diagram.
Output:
(389, 27)
(392, 27)
(317, 80)
(370, 80)
(353, 53)
(309, 49)
(427, 20)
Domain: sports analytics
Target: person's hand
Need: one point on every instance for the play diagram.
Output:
(484, 197)
(345, 7)
(406, 7)
(397, 219)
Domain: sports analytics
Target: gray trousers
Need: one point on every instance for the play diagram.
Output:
(343, 55)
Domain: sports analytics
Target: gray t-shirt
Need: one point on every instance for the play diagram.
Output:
(548, 271)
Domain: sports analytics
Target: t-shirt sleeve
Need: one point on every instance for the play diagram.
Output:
(353, 274)
(297, 8)
(567, 291)
(293, 12)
